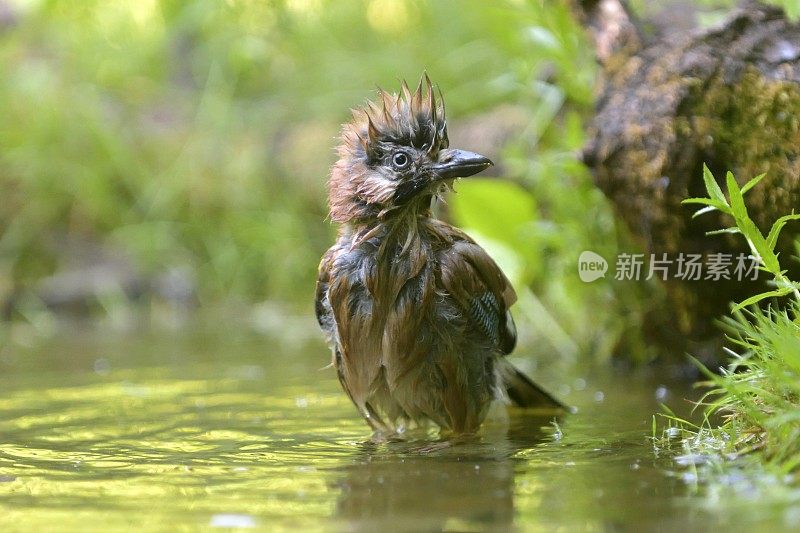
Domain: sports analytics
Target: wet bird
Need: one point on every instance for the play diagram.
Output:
(416, 313)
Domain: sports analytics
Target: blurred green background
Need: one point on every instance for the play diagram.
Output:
(163, 157)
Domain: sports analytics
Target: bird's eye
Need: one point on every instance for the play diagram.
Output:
(400, 160)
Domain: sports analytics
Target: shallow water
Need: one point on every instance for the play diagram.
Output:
(187, 432)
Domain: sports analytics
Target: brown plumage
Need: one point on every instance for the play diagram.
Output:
(415, 312)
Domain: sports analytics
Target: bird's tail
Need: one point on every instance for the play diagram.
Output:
(523, 392)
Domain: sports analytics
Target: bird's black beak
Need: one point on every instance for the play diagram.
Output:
(459, 164)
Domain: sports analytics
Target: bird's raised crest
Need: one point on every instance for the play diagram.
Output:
(360, 184)
(408, 118)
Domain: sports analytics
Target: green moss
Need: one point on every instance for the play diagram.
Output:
(751, 127)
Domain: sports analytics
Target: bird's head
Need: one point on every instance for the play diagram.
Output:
(395, 154)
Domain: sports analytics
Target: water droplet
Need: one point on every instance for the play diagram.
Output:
(661, 393)
(599, 396)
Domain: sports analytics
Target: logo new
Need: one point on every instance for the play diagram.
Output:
(591, 266)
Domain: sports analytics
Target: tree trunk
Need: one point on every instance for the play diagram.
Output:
(727, 96)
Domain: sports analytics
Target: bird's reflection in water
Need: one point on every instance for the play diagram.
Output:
(468, 486)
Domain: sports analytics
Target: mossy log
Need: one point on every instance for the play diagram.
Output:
(728, 96)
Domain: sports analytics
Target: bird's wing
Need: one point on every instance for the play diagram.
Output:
(485, 294)
(482, 290)
(322, 307)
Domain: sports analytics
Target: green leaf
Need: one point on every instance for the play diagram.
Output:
(704, 211)
(724, 230)
(774, 232)
(505, 213)
(763, 249)
(712, 187)
(498, 209)
(758, 297)
(711, 205)
(703, 201)
(787, 284)
(752, 183)
(737, 201)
